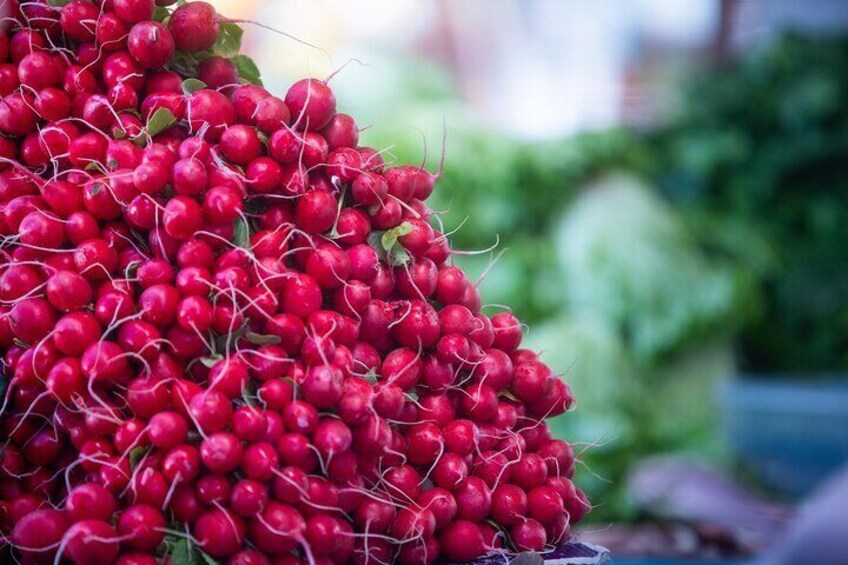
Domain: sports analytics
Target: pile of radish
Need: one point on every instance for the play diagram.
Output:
(231, 334)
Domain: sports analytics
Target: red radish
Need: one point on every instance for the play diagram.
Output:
(194, 26)
(218, 72)
(142, 526)
(39, 532)
(278, 529)
(91, 541)
(219, 533)
(311, 103)
(151, 44)
(528, 535)
(90, 501)
(462, 541)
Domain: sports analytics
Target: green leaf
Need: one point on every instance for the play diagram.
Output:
(95, 166)
(374, 239)
(398, 256)
(241, 233)
(390, 237)
(137, 454)
(192, 85)
(262, 339)
(160, 14)
(183, 554)
(210, 361)
(161, 120)
(230, 339)
(58, 3)
(228, 43)
(208, 559)
(247, 69)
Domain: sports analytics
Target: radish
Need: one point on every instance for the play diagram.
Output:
(194, 26)
(91, 541)
(39, 532)
(462, 541)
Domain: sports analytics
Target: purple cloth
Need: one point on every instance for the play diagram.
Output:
(566, 554)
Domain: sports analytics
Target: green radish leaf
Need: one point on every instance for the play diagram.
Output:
(192, 85)
(183, 554)
(119, 134)
(241, 233)
(210, 361)
(228, 43)
(181, 3)
(208, 559)
(262, 339)
(160, 14)
(374, 239)
(95, 166)
(508, 395)
(137, 454)
(58, 3)
(398, 256)
(390, 237)
(226, 341)
(247, 69)
(161, 120)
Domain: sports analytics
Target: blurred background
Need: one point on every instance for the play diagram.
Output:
(669, 181)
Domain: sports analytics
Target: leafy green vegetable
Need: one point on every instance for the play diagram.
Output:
(247, 69)
(262, 339)
(192, 85)
(387, 246)
(758, 162)
(160, 14)
(161, 120)
(241, 233)
(182, 553)
(211, 360)
(228, 43)
(137, 454)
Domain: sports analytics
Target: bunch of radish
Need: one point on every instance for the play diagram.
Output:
(230, 333)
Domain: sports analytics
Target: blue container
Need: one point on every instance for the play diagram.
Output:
(791, 434)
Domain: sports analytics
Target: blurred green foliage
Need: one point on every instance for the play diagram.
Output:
(642, 337)
(758, 163)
